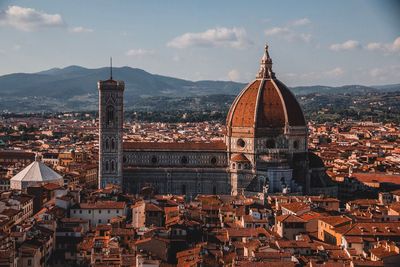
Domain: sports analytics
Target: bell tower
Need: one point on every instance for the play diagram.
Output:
(111, 119)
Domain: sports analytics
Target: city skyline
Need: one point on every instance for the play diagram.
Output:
(308, 45)
(107, 161)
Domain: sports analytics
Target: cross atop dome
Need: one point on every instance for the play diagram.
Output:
(265, 71)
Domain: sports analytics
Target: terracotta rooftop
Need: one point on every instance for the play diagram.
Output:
(245, 232)
(377, 177)
(296, 206)
(152, 207)
(381, 252)
(239, 158)
(364, 229)
(17, 154)
(336, 220)
(265, 264)
(289, 218)
(395, 206)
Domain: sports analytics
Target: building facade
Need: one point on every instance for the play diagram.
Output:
(265, 149)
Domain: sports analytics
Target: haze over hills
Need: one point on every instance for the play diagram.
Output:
(73, 81)
(75, 88)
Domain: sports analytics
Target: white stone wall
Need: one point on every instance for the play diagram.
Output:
(97, 216)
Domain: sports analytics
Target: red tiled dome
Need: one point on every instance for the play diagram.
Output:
(265, 103)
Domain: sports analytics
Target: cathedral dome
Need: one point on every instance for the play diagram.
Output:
(264, 104)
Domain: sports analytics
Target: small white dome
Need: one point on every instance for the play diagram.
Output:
(36, 173)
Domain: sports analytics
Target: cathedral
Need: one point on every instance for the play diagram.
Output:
(264, 150)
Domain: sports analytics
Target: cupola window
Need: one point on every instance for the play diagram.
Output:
(184, 160)
(241, 143)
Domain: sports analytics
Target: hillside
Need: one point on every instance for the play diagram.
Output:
(75, 88)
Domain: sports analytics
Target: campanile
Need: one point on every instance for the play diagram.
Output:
(111, 118)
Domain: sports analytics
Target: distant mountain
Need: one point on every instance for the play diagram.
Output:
(349, 89)
(75, 88)
(74, 81)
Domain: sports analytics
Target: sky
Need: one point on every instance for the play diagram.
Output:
(310, 42)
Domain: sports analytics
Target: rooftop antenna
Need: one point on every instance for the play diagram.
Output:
(110, 68)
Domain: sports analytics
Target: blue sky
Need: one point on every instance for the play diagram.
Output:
(311, 42)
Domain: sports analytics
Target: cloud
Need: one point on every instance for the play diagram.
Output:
(16, 47)
(217, 37)
(348, 45)
(80, 29)
(176, 58)
(374, 46)
(301, 22)
(383, 74)
(335, 72)
(234, 75)
(388, 48)
(277, 31)
(28, 19)
(139, 52)
(385, 47)
(289, 34)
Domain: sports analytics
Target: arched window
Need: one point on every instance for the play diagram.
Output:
(107, 145)
(154, 159)
(296, 144)
(110, 115)
(270, 143)
(107, 166)
(234, 166)
(112, 166)
(112, 143)
(213, 160)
